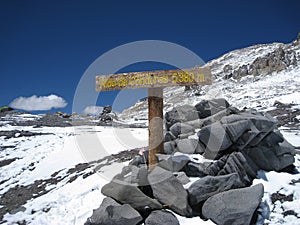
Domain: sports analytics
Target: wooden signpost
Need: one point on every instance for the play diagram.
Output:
(155, 81)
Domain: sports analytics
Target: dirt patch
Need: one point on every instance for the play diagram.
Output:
(286, 114)
(281, 197)
(20, 133)
(6, 162)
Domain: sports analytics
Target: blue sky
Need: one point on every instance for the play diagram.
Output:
(46, 46)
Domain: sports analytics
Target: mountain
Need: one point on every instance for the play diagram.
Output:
(53, 167)
(256, 76)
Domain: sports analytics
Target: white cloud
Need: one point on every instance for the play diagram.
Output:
(34, 102)
(93, 110)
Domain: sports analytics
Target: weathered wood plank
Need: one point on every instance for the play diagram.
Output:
(151, 79)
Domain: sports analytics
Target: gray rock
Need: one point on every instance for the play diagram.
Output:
(276, 157)
(173, 163)
(199, 123)
(129, 194)
(263, 213)
(216, 140)
(182, 177)
(160, 217)
(236, 129)
(134, 175)
(180, 114)
(112, 213)
(169, 191)
(189, 146)
(184, 136)
(207, 108)
(169, 136)
(234, 207)
(236, 162)
(181, 128)
(169, 147)
(208, 186)
(194, 169)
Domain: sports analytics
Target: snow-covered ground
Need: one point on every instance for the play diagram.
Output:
(72, 203)
(38, 157)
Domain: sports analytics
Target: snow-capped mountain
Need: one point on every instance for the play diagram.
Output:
(255, 76)
(52, 168)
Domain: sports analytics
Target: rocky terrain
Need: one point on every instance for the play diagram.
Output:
(231, 153)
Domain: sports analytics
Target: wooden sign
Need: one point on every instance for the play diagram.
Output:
(150, 79)
(154, 81)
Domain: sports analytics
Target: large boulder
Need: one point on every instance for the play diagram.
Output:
(269, 155)
(168, 190)
(234, 207)
(235, 126)
(112, 213)
(236, 162)
(106, 116)
(194, 169)
(181, 129)
(169, 147)
(180, 114)
(208, 186)
(215, 139)
(189, 146)
(159, 217)
(173, 163)
(207, 108)
(126, 193)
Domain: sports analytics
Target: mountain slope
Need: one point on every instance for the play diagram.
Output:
(251, 77)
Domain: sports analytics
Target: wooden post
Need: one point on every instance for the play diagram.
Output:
(155, 118)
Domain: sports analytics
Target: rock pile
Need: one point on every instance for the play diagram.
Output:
(106, 116)
(275, 61)
(237, 144)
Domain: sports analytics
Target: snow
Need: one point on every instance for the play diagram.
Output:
(69, 203)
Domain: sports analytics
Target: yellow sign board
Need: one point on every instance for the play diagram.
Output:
(153, 79)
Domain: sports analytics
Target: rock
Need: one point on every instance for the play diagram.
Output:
(107, 109)
(134, 175)
(236, 129)
(180, 114)
(181, 128)
(275, 157)
(169, 136)
(129, 194)
(160, 217)
(199, 123)
(172, 163)
(169, 147)
(106, 116)
(208, 186)
(215, 139)
(234, 207)
(193, 169)
(207, 108)
(182, 177)
(189, 146)
(263, 213)
(264, 123)
(4, 109)
(236, 162)
(111, 213)
(169, 191)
